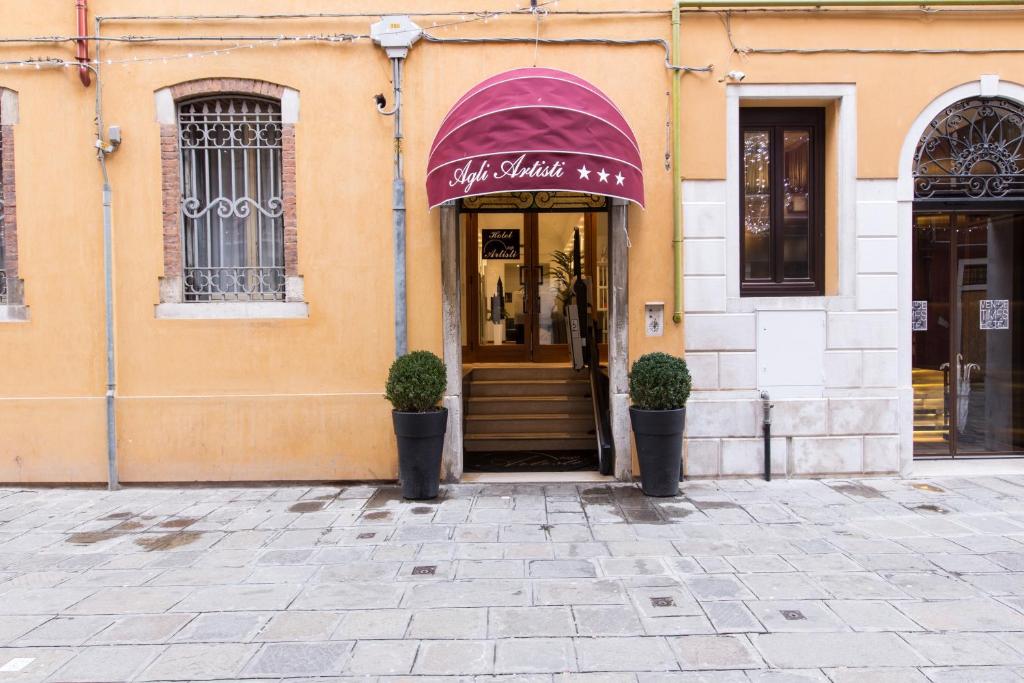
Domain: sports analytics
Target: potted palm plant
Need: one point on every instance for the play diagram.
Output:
(415, 386)
(659, 385)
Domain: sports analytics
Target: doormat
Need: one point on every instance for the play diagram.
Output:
(530, 461)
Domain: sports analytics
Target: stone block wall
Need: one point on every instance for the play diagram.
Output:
(848, 421)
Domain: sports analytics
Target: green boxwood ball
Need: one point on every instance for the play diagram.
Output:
(416, 382)
(659, 381)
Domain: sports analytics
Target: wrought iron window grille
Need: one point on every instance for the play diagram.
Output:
(972, 150)
(232, 210)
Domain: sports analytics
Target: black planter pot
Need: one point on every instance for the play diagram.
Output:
(659, 448)
(420, 442)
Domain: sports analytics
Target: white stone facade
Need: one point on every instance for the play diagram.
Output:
(835, 383)
(833, 365)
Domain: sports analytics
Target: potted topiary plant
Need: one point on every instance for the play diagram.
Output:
(659, 385)
(415, 385)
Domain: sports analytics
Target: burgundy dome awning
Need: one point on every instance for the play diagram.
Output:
(534, 130)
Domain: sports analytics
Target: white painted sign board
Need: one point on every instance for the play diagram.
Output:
(790, 349)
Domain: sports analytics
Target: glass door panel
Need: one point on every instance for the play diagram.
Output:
(931, 323)
(987, 362)
(502, 288)
(968, 351)
(555, 233)
(516, 274)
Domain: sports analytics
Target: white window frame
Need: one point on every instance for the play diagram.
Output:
(844, 95)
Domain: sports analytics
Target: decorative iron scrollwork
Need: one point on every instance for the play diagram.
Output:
(522, 201)
(228, 208)
(972, 150)
(234, 284)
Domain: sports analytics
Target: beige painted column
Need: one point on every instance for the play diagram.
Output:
(618, 340)
(451, 311)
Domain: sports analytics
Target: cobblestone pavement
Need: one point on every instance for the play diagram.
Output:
(841, 580)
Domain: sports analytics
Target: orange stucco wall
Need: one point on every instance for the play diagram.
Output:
(302, 399)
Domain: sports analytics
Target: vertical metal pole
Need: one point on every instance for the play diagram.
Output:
(113, 481)
(766, 425)
(677, 176)
(398, 219)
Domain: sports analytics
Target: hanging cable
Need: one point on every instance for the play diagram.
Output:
(538, 13)
(574, 41)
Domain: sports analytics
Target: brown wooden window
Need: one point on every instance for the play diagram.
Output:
(782, 201)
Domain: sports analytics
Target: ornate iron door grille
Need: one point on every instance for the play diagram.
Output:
(972, 150)
(231, 206)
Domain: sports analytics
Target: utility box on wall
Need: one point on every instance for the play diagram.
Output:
(790, 349)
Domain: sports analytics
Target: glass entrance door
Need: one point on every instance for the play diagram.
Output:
(516, 276)
(968, 350)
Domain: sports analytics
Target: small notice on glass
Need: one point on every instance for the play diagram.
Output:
(919, 317)
(995, 314)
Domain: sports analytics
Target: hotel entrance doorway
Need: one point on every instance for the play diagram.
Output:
(517, 276)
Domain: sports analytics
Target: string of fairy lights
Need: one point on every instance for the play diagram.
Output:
(538, 10)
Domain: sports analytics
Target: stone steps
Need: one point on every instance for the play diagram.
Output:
(528, 408)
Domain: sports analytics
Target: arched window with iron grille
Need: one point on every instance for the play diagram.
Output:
(973, 150)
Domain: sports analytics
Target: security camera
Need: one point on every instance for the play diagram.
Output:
(736, 76)
(380, 100)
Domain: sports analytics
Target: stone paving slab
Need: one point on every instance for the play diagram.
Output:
(844, 581)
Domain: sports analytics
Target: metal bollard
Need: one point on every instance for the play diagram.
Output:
(766, 407)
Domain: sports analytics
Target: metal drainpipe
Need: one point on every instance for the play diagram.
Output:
(677, 190)
(398, 209)
(82, 45)
(398, 218)
(113, 481)
(102, 150)
(396, 34)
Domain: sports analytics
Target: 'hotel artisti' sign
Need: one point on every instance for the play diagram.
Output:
(537, 171)
(501, 244)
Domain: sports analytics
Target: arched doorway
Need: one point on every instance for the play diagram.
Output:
(525, 166)
(968, 280)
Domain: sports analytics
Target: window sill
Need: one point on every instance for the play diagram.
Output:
(234, 310)
(13, 313)
(828, 302)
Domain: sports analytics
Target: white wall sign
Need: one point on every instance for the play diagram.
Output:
(919, 317)
(994, 314)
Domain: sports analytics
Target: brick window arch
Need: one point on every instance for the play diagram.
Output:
(10, 284)
(227, 149)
